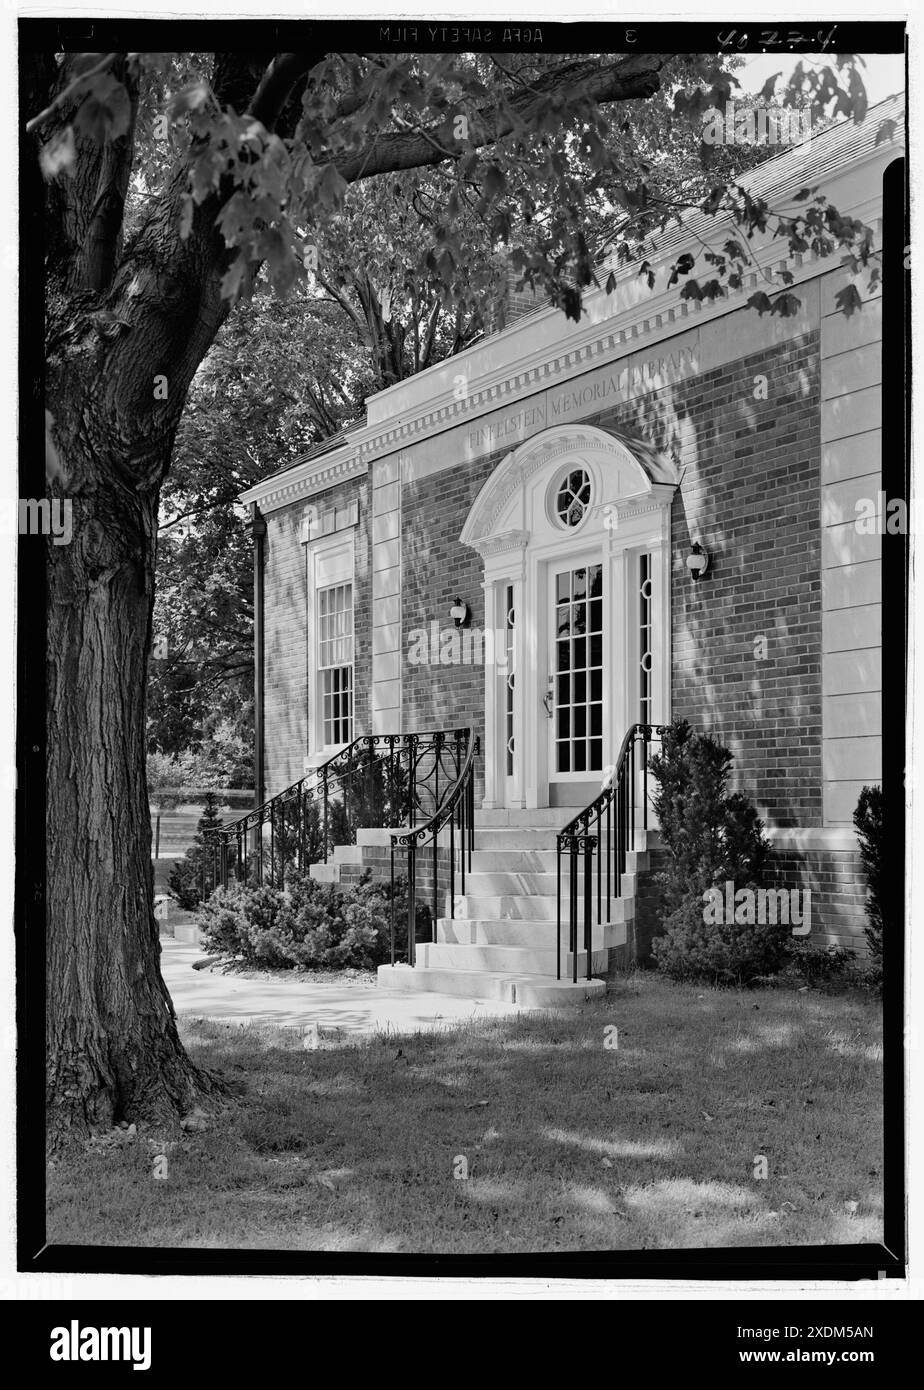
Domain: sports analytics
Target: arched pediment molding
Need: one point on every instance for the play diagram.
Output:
(626, 474)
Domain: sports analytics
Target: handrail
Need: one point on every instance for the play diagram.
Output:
(457, 807)
(616, 806)
(298, 817)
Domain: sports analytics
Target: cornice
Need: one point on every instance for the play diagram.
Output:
(656, 319)
(501, 545)
(306, 481)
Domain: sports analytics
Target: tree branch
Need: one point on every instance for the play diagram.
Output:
(277, 83)
(100, 252)
(106, 61)
(639, 75)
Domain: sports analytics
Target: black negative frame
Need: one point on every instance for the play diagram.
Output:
(34, 1254)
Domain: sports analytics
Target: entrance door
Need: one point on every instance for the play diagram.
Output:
(576, 697)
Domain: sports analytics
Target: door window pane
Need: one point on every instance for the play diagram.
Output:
(579, 644)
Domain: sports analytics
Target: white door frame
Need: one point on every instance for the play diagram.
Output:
(514, 528)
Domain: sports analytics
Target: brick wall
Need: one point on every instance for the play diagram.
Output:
(750, 494)
(436, 568)
(831, 873)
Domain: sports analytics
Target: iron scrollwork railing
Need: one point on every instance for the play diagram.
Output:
(597, 841)
(458, 813)
(379, 780)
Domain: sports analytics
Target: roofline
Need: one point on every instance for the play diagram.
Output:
(315, 473)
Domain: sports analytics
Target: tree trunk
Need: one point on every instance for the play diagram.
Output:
(121, 350)
(118, 370)
(112, 1045)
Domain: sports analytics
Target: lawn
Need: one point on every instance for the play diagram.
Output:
(569, 1143)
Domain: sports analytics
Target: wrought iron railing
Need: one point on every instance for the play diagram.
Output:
(457, 812)
(379, 780)
(596, 842)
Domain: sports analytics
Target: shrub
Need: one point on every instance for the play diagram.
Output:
(714, 836)
(867, 819)
(730, 952)
(819, 965)
(309, 924)
(185, 879)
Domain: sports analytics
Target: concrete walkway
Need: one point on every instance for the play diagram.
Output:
(348, 1006)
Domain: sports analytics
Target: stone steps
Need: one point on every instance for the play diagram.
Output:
(499, 939)
(528, 990)
(512, 931)
(531, 907)
(521, 883)
(528, 960)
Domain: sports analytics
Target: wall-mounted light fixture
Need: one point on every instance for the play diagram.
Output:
(459, 612)
(697, 560)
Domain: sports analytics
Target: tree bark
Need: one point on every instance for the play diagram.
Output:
(118, 369)
(113, 1051)
(112, 1045)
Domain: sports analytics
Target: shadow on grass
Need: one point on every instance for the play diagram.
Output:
(526, 1134)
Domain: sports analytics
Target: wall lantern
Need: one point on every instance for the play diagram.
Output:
(697, 560)
(459, 612)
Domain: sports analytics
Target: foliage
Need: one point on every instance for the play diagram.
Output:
(722, 952)
(226, 761)
(822, 965)
(714, 836)
(309, 924)
(867, 819)
(186, 875)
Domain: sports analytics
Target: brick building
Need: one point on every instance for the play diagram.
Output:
(560, 478)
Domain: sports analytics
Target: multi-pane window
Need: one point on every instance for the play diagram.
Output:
(510, 681)
(335, 662)
(579, 669)
(573, 497)
(644, 640)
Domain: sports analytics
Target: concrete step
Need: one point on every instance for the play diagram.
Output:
(505, 882)
(492, 839)
(367, 835)
(347, 854)
(325, 873)
(553, 816)
(539, 838)
(541, 884)
(539, 861)
(504, 838)
(518, 932)
(187, 932)
(501, 907)
(498, 905)
(527, 960)
(529, 991)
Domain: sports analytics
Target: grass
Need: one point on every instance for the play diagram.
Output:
(569, 1144)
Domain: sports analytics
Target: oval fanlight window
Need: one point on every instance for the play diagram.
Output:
(573, 497)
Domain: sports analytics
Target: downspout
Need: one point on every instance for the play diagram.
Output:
(259, 540)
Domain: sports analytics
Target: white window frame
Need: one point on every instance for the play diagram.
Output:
(331, 562)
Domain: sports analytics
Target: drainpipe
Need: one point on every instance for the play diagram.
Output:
(259, 540)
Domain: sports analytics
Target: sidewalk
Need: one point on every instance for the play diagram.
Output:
(359, 1007)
